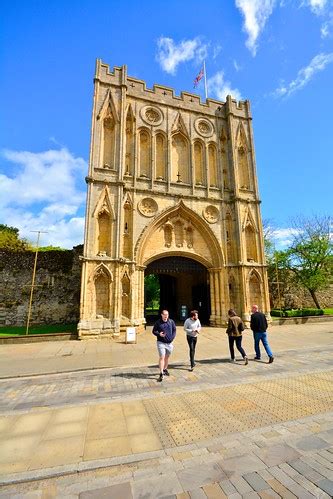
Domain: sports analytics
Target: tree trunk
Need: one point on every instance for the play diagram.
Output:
(313, 295)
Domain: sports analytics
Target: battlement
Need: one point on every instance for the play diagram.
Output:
(166, 95)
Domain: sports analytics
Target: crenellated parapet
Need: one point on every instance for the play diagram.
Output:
(166, 95)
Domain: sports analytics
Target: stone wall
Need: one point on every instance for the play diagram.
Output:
(293, 296)
(56, 297)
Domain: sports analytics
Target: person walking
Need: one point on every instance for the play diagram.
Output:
(165, 331)
(259, 326)
(234, 331)
(192, 327)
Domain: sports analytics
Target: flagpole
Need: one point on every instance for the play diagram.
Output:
(204, 65)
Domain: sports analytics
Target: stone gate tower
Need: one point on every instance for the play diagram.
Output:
(172, 191)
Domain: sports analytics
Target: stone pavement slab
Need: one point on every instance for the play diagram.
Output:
(225, 430)
(69, 356)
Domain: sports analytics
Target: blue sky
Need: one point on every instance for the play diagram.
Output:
(277, 54)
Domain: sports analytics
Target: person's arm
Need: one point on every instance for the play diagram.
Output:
(156, 330)
(173, 326)
(230, 328)
(199, 326)
(187, 327)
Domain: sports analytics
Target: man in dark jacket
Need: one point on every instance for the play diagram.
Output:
(165, 331)
(259, 326)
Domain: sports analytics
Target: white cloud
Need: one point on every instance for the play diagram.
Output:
(326, 29)
(216, 50)
(256, 13)
(304, 75)
(283, 237)
(44, 191)
(171, 54)
(220, 88)
(236, 65)
(317, 6)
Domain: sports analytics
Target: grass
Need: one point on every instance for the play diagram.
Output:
(45, 329)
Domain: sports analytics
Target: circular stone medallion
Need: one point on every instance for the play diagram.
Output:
(151, 115)
(204, 127)
(211, 214)
(147, 207)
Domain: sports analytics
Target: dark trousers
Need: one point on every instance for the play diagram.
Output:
(192, 341)
(238, 340)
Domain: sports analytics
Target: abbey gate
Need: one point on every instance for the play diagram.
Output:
(172, 191)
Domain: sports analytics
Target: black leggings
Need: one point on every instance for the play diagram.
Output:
(238, 340)
(192, 341)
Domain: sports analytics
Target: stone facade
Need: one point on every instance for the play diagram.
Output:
(56, 296)
(172, 190)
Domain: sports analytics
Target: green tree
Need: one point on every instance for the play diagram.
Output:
(10, 240)
(309, 257)
(152, 290)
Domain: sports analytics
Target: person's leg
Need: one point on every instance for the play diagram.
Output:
(190, 344)
(161, 363)
(168, 352)
(241, 350)
(231, 347)
(166, 361)
(266, 345)
(161, 358)
(256, 344)
(194, 344)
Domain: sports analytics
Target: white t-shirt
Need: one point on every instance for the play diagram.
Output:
(191, 326)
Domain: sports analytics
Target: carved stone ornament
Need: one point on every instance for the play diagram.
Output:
(147, 207)
(211, 214)
(151, 115)
(204, 127)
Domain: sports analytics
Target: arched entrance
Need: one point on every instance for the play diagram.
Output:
(183, 283)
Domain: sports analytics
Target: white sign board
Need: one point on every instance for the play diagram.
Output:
(130, 335)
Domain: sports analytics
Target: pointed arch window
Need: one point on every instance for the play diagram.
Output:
(102, 292)
(144, 154)
(104, 233)
(129, 155)
(251, 243)
(255, 294)
(161, 157)
(212, 165)
(128, 232)
(199, 169)
(180, 159)
(109, 136)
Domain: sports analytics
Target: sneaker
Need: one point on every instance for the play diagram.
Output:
(246, 360)
(256, 358)
(160, 378)
(232, 360)
(166, 372)
(270, 360)
(191, 369)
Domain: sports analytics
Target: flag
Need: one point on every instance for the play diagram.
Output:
(198, 78)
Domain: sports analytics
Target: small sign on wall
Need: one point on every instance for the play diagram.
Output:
(130, 335)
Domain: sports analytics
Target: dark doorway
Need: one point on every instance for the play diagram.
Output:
(183, 287)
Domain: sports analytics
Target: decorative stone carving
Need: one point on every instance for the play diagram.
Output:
(147, 207)
(152, 115)
(211, 214)
(204, 127)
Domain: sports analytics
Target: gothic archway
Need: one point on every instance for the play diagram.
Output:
(183, 286)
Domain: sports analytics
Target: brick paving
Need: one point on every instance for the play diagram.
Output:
(225, 430)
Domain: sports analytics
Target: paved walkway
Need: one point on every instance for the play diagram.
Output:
(99, 425)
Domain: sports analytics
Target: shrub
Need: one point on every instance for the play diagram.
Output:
(302, 312)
